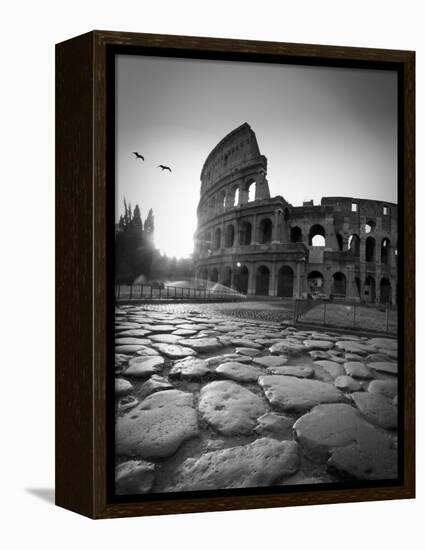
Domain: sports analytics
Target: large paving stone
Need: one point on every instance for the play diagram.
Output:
(129, 349)
(122, 387)
(287, 347)
(202, 345)
(158, 426)
(155, 383)
(219, 359)
(239, 372)
(174, 351)
(184, 332)
(340, 435)
(271, 360)
(251, 352)
(244, 342)
(132, 341)
(166, 338)
(331, 367)
(159, 328)
(356, 369)
(134, 477)
(135, 333)
(384, 366)
(294, 394)
(257, 464)
(191, 368)
(145, 350)
(376, 408)
(230, 408)
(322, 345)
(144, 366)
(385, 343)
(346, 383)
(357, 347)
(388, 388)
(274, 425)
(292, 370)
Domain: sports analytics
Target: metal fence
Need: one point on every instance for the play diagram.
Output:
(355, 315)
(150, 292)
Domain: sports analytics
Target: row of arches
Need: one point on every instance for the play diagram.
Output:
(317, 237)
(227, 238)
(236, 195)
(238, 279)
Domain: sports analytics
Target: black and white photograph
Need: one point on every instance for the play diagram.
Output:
(256, 256)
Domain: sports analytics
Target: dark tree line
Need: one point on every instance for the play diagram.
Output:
(135, 252)
(134, 244)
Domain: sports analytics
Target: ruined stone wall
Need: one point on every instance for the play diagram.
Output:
(345, 248)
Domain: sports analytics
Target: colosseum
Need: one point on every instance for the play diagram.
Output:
(345, 248)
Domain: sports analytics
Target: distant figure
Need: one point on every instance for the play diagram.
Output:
(164, 167)
(138, 155)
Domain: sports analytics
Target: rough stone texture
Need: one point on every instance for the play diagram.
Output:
(298, 395)
(271, 360)
(191, 368)
(376, 408)
(219, 359)
(132, 341)
(384, 366)
(334, 369)
(155, 383)
(158, 426)
(351, 346)
(129, 348)
(145, 350)
(166, 338)
(239, 372)
(174, 351)
(257, 464)
(230, 408)
(356, 369)
(202, 345)
(389, 343)
(184, 332)
(144, 366)
(134, 477)
(289, 370)
(135, 333)
(274, 425)
(159, 328)
(340, 435)
(242, 342)
(251, 352)
(388, 388)
(346, 383)
(287, 347)
(318, 344)
(126, 403)
(122, 387)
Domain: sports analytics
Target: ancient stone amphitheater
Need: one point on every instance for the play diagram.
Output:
(345, 248)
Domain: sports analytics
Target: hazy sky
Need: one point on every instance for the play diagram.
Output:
(324, 131)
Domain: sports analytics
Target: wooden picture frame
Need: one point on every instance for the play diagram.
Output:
(83, 162)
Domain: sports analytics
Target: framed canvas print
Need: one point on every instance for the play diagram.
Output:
(235, 274)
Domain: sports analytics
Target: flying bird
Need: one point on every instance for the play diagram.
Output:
(164, 167)
(138, 155)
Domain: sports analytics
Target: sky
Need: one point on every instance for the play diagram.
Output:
(325, 132)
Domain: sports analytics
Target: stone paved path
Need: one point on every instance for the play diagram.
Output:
(213, 396)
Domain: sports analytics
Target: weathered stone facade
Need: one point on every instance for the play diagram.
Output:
(343, 248)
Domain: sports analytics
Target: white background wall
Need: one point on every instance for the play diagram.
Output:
(29, 32)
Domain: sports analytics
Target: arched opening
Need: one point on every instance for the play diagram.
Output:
(242, 277)
(357, 283)
(370, 289)
(221, 201)
(286, 214)
(385, 251)
(296, 234)
(385, 291)
(369, 226)
(316, 236)
(227, 277)
(262, 281)
(315, 282)
(265, 231)
(340, 241)
(245, 233)
(204, 274)
(217, 238)
(370, 249)
(285, 282)
(214, 275)
(354, 244)
(251, 188)
(236, 197)
(339, 285)
(229, 237)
